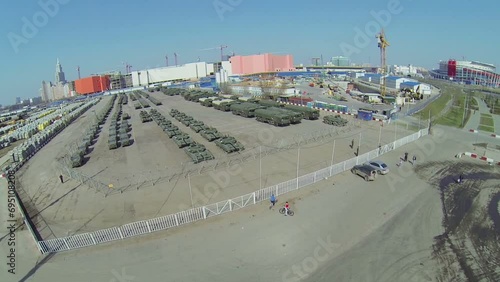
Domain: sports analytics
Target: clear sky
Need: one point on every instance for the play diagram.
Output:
(101, 35)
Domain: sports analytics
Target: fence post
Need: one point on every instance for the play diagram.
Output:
(205, 212)
(230, 205)
(93, 240)
(344, 166)
(314, 177)
(120, 231)
(66, 243)
(276, 194)
(149, 228)
(254, 198)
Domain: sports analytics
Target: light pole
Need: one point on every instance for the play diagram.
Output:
(395, 132)
(333, 154)
(190, 191)
(298, 164)
(380, 136)
(260, 166)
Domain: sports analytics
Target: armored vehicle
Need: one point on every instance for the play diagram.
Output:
(137, 105)
(180, 116)
(308, 113)
(272, 117)
(197, 126)
(335, 120)
(210, 134)
(229, 144)
(76, 160)
(208, 102)
(187, 120)
(173, 132)
(245, 109)
(182, 140)
(126, 142)
(294, 117)
(145, 117)
(112, 144)
(125, 116)
(198, 153)
(174, 112)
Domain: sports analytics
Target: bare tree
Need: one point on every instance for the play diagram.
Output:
(266, 88)
(226, 89)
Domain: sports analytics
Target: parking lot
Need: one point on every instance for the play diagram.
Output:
(149, 172)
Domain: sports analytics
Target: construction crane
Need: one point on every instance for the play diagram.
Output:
(221, 48)
(166, 60)
(382, 44)
(78, 69)
(175, 58)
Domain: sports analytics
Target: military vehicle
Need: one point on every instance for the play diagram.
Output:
(145, 117)
(173, 132)
(247, 99)
(245, 109)
(76, 160)
(223, 105)
(174, 112)
(198, 153)
(125, 116)
(137, 105)
(335, 120)
(180, 116)
(113, 144)
(229, 144)
(272, 117)
(294, 117)
(208, 102)
(307, 113)
(182, 140)
(126, 142)
(187, 120)
(197, 126)
(196, 96)
(269, 103)
(210, 134)
(172, 91)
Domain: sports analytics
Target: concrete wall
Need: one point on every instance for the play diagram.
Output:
(242, 65)
(257, 91)
(187, 71)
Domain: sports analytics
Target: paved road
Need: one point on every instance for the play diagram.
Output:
(257, 244)
(474, 120)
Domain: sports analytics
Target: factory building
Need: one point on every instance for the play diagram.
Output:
(468, 72)
(394, 82)
(416, 87)
(243, 65)
(372, 78)
(92, 84)
(183, 72)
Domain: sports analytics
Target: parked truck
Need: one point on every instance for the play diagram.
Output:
(269, 103)
(223, 105)
(308, 113)
(294, 117)
(245, 109)
(272, 117)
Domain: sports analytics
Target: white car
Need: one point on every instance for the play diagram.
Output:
(380, 166)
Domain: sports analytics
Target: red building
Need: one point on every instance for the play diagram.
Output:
(92, 84)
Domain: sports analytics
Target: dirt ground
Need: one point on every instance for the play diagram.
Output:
(143, 171)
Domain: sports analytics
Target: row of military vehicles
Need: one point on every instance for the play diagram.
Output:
(139, 102)
(119, 128)
(197, 152)
(266, 111)
(77, 158)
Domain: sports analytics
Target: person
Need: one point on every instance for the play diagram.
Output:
(287, 208)
(400, 162)
(414, 159)
(460, 178)
(406, 156)
(61, 178)
(272, 200)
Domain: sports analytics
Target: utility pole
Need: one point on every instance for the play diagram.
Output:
(175, 57)
(78, 69)
(166, 60)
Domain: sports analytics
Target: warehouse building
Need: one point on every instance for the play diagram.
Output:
(182, 72)
(394, 82)
(372, 78)
(416, 87)
(92, 84)
(243, 65)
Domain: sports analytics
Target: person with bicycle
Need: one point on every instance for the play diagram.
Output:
(287, 208)
(272, 200)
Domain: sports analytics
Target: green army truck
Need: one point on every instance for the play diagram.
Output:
(308, 113)
(294, 117)
(245, 109)
(272, 117)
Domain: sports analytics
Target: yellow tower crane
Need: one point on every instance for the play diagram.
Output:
(382, 44)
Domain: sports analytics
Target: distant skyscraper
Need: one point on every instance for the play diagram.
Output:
(18, 100)
(59, 74)
(341, 61)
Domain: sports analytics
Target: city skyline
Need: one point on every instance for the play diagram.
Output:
(143, 34)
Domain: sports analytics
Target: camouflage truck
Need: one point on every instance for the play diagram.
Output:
(245, 109)
(335, 120)
(294, 117)
(223, 105)
(269, 103)
(271, 117)
(308, 113)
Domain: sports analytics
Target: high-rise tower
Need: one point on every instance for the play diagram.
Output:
(59, 74)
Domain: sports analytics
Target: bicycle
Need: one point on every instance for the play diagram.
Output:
(290, 212)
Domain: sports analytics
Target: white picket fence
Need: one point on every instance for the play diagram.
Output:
(204, 212)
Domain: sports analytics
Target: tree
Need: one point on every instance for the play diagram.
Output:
(265, 88)
(226, 89)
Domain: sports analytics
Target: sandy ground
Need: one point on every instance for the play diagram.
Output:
(145, 167)
(344, 229)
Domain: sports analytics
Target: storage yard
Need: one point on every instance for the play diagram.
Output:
(154, 177)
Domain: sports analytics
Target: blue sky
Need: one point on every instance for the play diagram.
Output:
(101, 35)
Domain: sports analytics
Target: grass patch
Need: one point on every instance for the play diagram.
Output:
(486, 128)
(434, 108)
(488, 121)
(473, 104)
(486, 115)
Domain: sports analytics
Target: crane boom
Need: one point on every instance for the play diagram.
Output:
(382, 44)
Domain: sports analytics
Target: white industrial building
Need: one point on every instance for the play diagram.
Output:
(182, 72)
(372, 78)
(421, 88)
(394, 82)
(403, 70)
